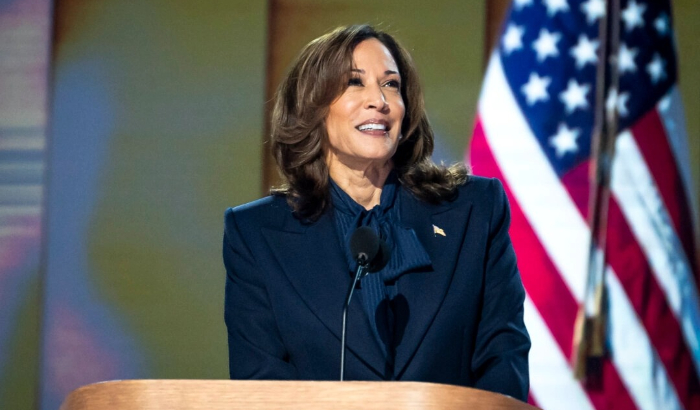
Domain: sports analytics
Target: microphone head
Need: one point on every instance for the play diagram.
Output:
(364, 245)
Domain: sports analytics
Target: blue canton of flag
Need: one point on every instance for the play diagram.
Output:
(549, 54)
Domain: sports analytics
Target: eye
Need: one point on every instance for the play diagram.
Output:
(355, 81)
(393, 84)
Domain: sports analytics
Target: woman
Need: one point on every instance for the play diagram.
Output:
(352, 139)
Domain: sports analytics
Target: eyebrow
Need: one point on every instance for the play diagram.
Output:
(387, 72)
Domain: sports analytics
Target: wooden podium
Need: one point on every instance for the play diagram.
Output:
(308, 395)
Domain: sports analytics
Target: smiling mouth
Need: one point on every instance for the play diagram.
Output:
(372, 127)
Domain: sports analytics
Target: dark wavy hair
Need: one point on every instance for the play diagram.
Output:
(319, 75)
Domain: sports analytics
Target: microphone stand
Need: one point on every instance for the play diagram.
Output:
(361, 268)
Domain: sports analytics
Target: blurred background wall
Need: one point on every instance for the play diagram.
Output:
(127, 128)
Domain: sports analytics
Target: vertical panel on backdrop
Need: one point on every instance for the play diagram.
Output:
(25, 35)
(84, 338)
(536, 118)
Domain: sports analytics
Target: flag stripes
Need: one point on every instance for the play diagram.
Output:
(634, 356)
(649, 136)
(650, 338)
(552, 381)
(649, 291)
(553, 298)
(670, 111)
(634, 189)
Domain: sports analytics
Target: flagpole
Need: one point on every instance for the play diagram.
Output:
(592, 320)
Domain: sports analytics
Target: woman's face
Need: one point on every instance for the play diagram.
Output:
(364, 123)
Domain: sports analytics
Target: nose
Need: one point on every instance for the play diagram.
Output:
(376, 99)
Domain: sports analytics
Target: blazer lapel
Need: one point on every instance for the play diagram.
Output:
(425, 291)
(313, 261)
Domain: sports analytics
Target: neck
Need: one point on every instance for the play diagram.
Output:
(363, 185)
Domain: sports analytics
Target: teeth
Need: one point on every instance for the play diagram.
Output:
(365, 127)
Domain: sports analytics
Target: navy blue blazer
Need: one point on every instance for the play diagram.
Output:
(461, 321)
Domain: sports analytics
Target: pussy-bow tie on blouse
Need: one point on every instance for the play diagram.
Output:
(406, 253)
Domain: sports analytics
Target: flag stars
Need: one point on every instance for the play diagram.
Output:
(564, 141)
(554, 6)
(617, 102)
(520, 4)
(536, 89)
(546, 45)
(593, 9)
(513, 38)
(656, 69)
(662, 25)
(621, 104)
(665, 103)
(575, 96)
(584, 52)
(632, 15)
(625, 59)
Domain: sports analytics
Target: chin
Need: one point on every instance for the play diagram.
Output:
(379, 158)
(379, 153)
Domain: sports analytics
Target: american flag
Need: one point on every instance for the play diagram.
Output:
(533, 132)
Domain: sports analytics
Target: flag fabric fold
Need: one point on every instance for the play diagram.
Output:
(533, 131)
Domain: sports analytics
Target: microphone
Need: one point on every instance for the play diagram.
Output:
(368, 248)
(365, 246)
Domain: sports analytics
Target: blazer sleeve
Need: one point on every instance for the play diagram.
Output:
(500, 361)
(256, 350)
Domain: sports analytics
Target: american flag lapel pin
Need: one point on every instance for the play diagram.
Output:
(438, 231)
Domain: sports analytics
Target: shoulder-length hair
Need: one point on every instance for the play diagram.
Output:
(319, 75)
